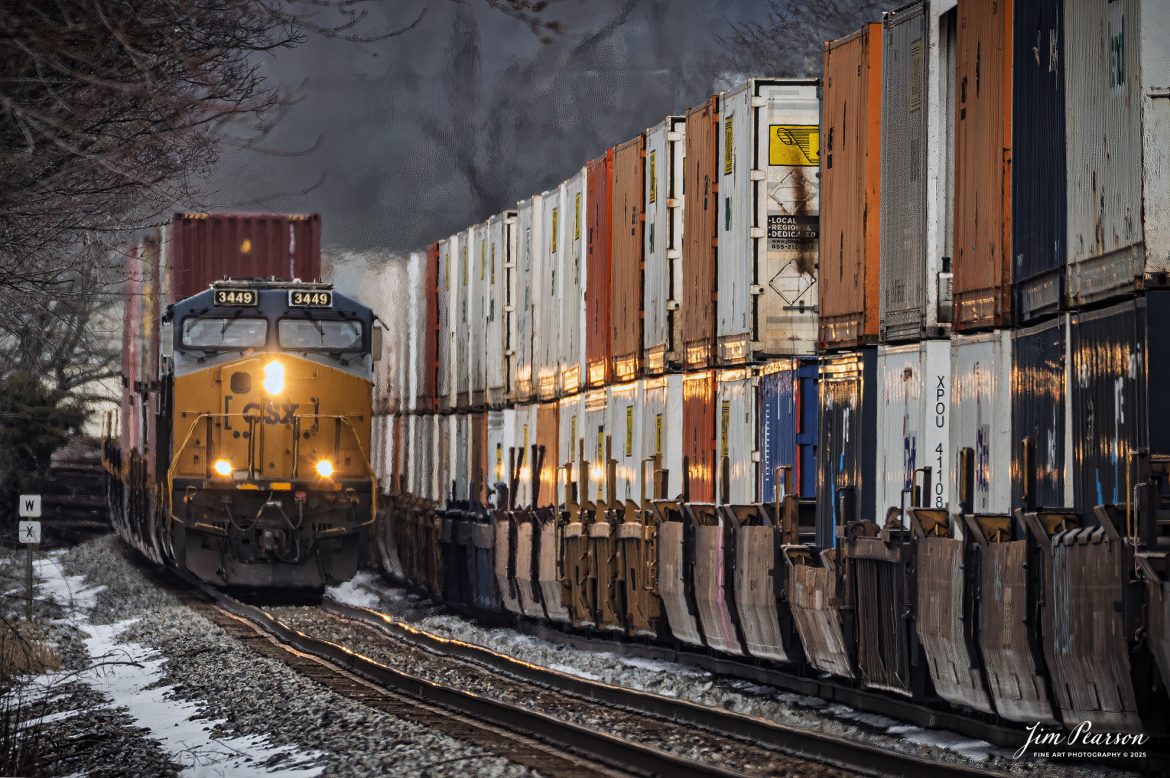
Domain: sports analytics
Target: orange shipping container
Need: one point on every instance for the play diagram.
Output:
(479, 455)
(599, 247)
(546, 441)
(700, 188)
(851, 190)
(983, 165)
(427, 399)
(698, 418)
(626, 270)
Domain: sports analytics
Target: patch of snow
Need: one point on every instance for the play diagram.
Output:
(356, 591)
(68, 591)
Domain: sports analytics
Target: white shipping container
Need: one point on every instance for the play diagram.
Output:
(1117, 117)
(768, 219)
(572, 326)
(913, 418)
(476, 292)
(461, 474)
(501, 443)
(736, 451)
(379, 440)
(422, 465)
(498, 306)
(546, 336)
(917, 169)
(449, 321)
(981, 418)
(444, 464)
(525, 282)
(662, 442)
(460, 353)
(525, 439)
(663, 235)
(597, 445)
(625, 430)
(571, 421)
(416, 331)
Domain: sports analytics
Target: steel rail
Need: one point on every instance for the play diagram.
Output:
(804, 743)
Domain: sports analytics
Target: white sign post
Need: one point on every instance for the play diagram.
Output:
(29, 532)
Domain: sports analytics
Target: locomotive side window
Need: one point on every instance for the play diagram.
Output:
(317, 334)
(233, 333)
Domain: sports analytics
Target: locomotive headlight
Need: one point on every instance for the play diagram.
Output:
(222, 467)
(274, 377)
(324, 468)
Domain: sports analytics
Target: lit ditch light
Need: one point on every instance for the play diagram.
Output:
(222, 468)
(325, 468)
(274, 377)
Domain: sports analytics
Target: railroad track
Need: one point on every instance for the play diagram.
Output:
(752, 742)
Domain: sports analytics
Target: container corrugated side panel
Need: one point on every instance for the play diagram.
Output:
(1038, 166)
(477, 314)
(496, 312)
(416, 322)
(597, 442)
(735, 437)
(599, 259)
(429, 361)
(662, 429)
(624, 424)
(913, 420)
(981, 414)
(850, 237)
(546, 440)
(573, 286)
(462, 455)
(208, 247)
(788, 410)
(769, 148)
(1108, 401)
(443, 389)
(571, 414)
(698, 427)
(526, 438)
(479, 455)
(1040, 411)
(983, 166)
(625, 344)
(546, 336)
(526, 281)
(663, 231)
(916, 167)
(1118, 56)
(462, 333)
(501, 440)
(700, 183)
(846, 469)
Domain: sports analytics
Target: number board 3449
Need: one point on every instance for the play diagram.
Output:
(310, 298)
(234, 298)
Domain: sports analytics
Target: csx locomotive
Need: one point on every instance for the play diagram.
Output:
(263, 479)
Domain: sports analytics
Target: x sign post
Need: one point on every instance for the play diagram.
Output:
(28, 508)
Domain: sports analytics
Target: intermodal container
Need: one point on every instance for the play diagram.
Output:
(501, 447)
(983, 166)
(546, 335)
(477, 284)
(698, 435)
(444, 389)
(571, 478)
(663, 234)
(850, 238)
(429, 337)
(768, 153)
(461, 455)
(527, 419)
(480, 472)
(596, 441)
(525, 282)
(501, 237)
(662, 433)
(913, 420)
(848, 441)
(573, 286)
(1041, 415)
(414, 343)
(788, 406)
(1117, 54)
(1119, 354)
(918, 117)
(598, 264)
(1038, 167)
(624, 424)
(210, 247)
(444, 466)
(701, 185)
(546, 443)
(980, 419)
(736, 456)
(628, 218)
(460, 352)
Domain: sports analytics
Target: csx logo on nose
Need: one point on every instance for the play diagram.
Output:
(272, 413)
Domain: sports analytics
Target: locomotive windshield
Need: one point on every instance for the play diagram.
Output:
(230, 333)
(320, 334)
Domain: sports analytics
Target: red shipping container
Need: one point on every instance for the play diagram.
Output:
(629, 217)
(701, 188)
(430, 346)
(209, 247)
(699, 435)
(599, 255)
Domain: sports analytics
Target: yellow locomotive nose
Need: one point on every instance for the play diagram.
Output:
(274, 377)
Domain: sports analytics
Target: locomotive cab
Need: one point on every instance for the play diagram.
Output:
(268, 396)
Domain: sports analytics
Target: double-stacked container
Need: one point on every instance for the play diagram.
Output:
(662, 430)
(477, 327)
(701, 185)
(498, 306)
(548, 300)
(662, 287)
(736, 455)
(625, 343)
(768, 215)
(526, 284)
(572, 327)
(599, 258)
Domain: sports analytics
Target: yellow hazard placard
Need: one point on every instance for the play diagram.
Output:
(724, 427)
(553, 249)
(728, 145)
(658, 434)
(653, 175)
(629, 430)
(794, 144)
(577, 219)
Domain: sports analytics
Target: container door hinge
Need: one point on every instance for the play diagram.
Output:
(755, 456)
(757, 233)
(759, 102)
(756, 290)
(672, 305)
(759, 175)
(673, 136)
(673, 254)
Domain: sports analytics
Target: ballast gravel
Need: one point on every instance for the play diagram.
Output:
(250, 696)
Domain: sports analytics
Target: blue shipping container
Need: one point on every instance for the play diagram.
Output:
(788, 425)
(1040, 398)
(847, 441)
